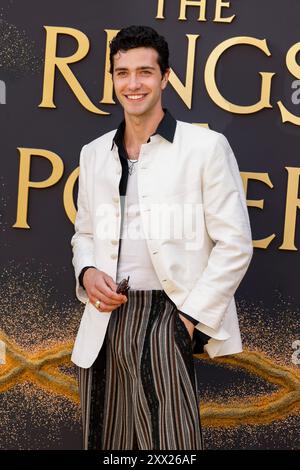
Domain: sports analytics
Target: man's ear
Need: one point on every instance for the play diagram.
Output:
(165, 78)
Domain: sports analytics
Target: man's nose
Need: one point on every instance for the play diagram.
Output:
(134, 82)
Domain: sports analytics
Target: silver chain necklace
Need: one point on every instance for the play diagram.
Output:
(131, 161)
(131, 165)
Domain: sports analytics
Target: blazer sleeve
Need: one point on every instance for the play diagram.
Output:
(82, 240)
(227, 223)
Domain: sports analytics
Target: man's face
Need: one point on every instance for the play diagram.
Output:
(138, 81)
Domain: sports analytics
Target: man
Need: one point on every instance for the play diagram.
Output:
(135, 352)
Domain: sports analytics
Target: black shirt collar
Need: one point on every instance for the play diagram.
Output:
(166, 129)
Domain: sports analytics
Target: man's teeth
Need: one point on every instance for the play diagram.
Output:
(134, 97)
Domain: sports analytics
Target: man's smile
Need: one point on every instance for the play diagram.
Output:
(136, 97)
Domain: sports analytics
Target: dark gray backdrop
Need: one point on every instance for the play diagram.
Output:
(37, 303)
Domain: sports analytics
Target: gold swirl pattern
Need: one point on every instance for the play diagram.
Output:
(256, 410)
(42, 368)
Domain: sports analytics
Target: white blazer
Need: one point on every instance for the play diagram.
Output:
(200, 276)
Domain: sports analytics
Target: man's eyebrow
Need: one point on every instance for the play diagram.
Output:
(143, 67)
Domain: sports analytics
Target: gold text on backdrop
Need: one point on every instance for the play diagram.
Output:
(184, 90)
(57, 169)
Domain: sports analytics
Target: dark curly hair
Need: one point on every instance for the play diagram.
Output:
(140, 36)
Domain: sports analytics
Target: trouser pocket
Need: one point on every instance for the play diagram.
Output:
(182, 328)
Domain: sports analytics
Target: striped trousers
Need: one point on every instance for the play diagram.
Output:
(141, 392)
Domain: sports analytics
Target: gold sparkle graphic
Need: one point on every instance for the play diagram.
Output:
(40, 368)
(43, 368)
(256, 410)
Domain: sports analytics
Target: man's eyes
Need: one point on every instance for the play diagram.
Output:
(142, 72)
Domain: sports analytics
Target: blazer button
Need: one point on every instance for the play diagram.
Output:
(114, 242)
(114, 256)
(116, 199)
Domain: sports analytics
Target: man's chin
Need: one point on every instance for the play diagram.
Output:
(135, 112)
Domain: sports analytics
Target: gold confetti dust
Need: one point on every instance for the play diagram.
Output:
(271, 329)
(40, 368)
(39, 343)
(17, 53)
(256, 410)
(32, 418)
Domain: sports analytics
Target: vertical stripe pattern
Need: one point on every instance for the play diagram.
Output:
(141, 392)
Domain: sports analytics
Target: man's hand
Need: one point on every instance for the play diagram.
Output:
(189, 325)
(100, 286)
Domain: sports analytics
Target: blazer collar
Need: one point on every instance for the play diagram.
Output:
(166, 129)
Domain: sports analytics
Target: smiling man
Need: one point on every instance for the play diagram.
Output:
(135, 349)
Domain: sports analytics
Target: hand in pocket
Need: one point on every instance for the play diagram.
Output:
(188, 324)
